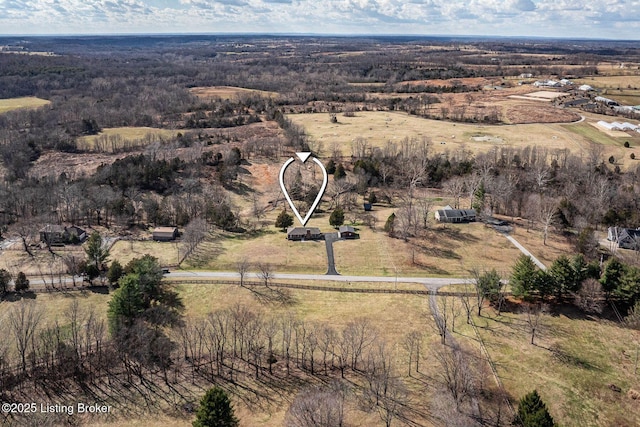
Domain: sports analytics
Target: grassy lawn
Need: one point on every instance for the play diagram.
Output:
(450, 250)
(9, 104)
(572, 365)
(42, 263)
(124, 251)
(134, 136)
(223, 250)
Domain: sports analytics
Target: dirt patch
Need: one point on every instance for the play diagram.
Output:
(528, 113)
(468, 81)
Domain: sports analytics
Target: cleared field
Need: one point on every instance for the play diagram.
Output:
(542, 95)
(223, 250)
(9, 104)
(574, 361)
(125, 251)
(228, 92)
(123, 137)
(450, 250)
(379, 127)
(611, 82)
(42, 264)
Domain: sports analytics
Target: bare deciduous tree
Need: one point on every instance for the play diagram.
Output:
(533, 319)
(317, 407)
(242, 267)
(412, 343)
(265, 272)
(455, 373)
(590, 297)
(24, 319)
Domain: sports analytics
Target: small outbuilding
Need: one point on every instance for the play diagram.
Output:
(165, 234)
(626, 238)
(347, 232)
(368, 207)
(304, 233)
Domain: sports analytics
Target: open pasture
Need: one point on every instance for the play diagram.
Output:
(380, 127)
(113, 139)
(573, 363)
(228, 92)
(9, 104)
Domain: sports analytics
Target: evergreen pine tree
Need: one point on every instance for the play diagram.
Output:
(532, 412)
(336, 218)
(389, 225)
(284, 220)
(523, 277)
(340, 172)
(215, 410)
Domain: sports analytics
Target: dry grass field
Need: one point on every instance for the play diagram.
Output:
(126, 250)
(9, 104)
(222, 250)
(131, 136)
(41, 264)
(379, 127)
(572, 364)
(446, 250)
(401, 314)
(228, 92)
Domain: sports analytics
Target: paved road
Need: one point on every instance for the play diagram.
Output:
(329, 238)
(525, 251)
(430, 282)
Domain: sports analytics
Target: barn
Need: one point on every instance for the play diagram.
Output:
(165, 234)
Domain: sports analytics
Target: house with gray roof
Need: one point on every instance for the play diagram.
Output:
(455, 215)
(304, 233)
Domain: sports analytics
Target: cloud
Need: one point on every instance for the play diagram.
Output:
(570, 18)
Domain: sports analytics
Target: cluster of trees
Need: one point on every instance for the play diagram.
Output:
(588, 285)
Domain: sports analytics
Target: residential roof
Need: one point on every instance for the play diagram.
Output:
(457, 213)
(346, 229)
(165, 229)
(302, 231)
(52, 228)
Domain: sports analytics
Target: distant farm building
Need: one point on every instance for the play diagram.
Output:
(547, 83)
(455, 215)
(526, 75)
(304, 233)
(165, 234)
(618, 126)
(626, 238)
(606, 101)
(347, 232)
(60, 235)
(585, 88)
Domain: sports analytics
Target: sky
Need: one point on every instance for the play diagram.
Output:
(609, 19)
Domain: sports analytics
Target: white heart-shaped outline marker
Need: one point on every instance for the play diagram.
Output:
(325, 180)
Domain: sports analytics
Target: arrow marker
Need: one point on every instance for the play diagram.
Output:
(325, 179)
(303, 156)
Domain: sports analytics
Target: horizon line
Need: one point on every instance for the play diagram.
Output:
(336, 35)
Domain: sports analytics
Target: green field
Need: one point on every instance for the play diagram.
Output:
(9, 104)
